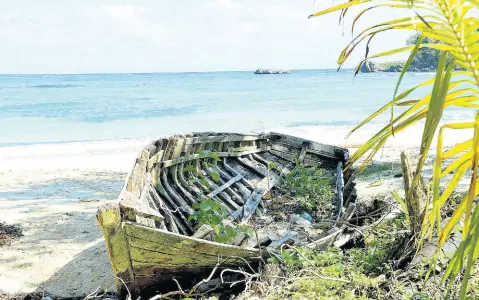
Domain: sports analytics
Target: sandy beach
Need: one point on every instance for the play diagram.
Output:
(53, 190)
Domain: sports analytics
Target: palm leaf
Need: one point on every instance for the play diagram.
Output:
(454, 26)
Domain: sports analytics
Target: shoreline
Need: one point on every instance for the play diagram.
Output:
(53, 191)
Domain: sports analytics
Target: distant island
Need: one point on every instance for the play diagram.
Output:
(426, 60)
(272, 71)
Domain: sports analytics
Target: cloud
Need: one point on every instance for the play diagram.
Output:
(229, 4)
(131, 21)
(285, 13)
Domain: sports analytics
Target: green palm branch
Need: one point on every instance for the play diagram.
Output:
(455, 25)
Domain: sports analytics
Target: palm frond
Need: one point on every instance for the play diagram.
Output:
(454, 25)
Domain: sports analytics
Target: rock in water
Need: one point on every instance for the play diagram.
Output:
(272, 71)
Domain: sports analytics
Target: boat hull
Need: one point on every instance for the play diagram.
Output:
(148, 235)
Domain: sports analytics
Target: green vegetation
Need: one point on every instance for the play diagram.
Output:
(310, 187)
(363, 272)
(425, 60)
(213, 213)
(454, 25)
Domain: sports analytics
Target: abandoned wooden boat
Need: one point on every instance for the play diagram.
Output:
(149, 235)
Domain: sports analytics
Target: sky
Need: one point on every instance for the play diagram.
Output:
(101, 36)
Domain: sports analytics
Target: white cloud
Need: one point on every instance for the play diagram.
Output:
(229, 4)
(131, 20)
(285, 13)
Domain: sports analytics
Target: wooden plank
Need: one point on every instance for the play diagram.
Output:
(164, 256)
(339, 188)
(253, 200)
(243, 190)
(147, 196)
(232, 170)
(302, 154)
(223, 138)
(183, 159)
(348, 187)
(224, 178)
(283, 155)
(318, 148)
(203, 231)
(230, 204)
(185, 243)
(155, 159)
(174, 175)
(109, 219)
(131, 208)
(224, 186)
(252, 167)
(188, 184)
(164, 208)
(178, 200)
(172, 204)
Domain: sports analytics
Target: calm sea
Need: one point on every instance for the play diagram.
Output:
(61, 108)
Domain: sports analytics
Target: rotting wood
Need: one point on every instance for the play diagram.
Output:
(203, 231)
(157, 182)
(241, 188)
(304, 150)
(171, 162)
(180, 202)
(191, 186)
(348, 187)
(166, 212)
(231, 169)
(185, 243)
(155, 159)
(232, 189)
(321, 149)
(227, 190)
(253, 200)
(247, 163)
(131, 209)
(286, 239)
(339, 188)
(174, 175)
(109, 219)
(224, 186)
(175, 212)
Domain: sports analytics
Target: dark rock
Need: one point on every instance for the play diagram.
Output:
(272, 71)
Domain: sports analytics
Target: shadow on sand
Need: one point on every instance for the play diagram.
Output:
(87, 272)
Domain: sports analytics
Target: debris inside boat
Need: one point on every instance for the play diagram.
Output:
(193, 200)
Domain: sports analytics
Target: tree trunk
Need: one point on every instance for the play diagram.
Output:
(415, 195)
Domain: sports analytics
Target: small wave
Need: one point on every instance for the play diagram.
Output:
(53, 86)
(423, 73)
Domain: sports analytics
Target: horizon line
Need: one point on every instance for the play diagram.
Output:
(170, 72)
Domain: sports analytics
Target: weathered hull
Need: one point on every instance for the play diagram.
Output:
(148, 235)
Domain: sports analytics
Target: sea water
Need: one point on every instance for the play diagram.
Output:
(86, 107)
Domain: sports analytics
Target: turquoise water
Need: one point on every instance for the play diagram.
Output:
(61, 108)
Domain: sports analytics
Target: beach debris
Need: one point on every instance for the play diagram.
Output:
(376, 183)
(296, 219)
(307, 216)
(287, 239)
(9, 233)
